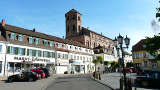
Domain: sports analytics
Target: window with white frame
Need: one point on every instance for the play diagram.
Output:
(50, 43)
(71, 56)
(154, 65)
(45, 42)
(20, 37)
(59, 55)
(13, 36)
(145, 63)
(77, 57)
(66, 56)
(21, 51)
(37, 41)
(80, 57)
(31, 40)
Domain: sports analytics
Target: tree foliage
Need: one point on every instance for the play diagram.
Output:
(153, 46)
(129, 64)
(99, 59)
(106, 63)
(95, 61)
(114, 64)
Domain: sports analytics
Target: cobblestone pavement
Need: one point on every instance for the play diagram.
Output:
(76, 82)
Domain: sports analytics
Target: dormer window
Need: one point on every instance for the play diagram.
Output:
(20, 37)
(51, 43)
(13, 36)
(45, 42)
(31, 40)
(37, 41)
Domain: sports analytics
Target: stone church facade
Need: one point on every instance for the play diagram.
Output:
(75, 31)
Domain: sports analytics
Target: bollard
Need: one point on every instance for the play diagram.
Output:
(99, 76)
(121, 83)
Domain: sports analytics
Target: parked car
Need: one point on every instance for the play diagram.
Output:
(46, 71)
(39, 72)
(127, 70)
(150, 79)
(24, 76)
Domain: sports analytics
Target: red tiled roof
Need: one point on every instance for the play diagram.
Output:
(139, 46)
(39, 35)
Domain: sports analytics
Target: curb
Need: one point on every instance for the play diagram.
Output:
(102, 83)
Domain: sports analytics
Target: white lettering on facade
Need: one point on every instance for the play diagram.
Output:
(34, 59)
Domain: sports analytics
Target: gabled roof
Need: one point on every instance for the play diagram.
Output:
(85, 30)
(32, 33)
(139, 46)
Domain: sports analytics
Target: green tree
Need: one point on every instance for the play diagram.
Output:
(99, 59)
(106, 63)
(129, 64)
(153, 46)
(114, 65)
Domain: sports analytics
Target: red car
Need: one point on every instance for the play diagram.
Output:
(40, 72)
(127, 70)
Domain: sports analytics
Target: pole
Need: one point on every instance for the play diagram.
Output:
(124, 73)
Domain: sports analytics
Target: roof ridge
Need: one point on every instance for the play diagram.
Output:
(95, 32)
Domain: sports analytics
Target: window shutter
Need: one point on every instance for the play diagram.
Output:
(27, 52)
(24, 51)
(16, 50)
(8, 49)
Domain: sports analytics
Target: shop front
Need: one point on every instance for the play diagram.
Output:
(77, 67)
(16, 64)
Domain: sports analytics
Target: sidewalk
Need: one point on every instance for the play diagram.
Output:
(112, 80)
(2, 79)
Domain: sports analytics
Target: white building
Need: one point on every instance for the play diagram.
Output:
(23, 49)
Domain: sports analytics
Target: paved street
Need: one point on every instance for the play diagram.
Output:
(76, 82)
(38, 85)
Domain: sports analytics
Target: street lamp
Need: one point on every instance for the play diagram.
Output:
(119, 46)
(158, 13)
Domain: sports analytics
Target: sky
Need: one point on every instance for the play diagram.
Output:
(111, 17)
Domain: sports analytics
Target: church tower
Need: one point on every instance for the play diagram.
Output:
(73, 23)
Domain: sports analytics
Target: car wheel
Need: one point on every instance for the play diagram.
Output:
(30, 79)
(10, 79)
(144, 83)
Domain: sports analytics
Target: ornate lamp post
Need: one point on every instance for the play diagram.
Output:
(119, 46)
(158, 13)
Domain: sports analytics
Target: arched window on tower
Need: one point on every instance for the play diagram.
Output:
(79, 27)
(68, 29)
(74, 31)
(79, 18)
(67, 17)
(87, 43)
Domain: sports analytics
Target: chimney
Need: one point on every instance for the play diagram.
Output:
(3, 22)
(34, 30)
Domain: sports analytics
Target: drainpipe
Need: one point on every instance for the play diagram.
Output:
(5, 62)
